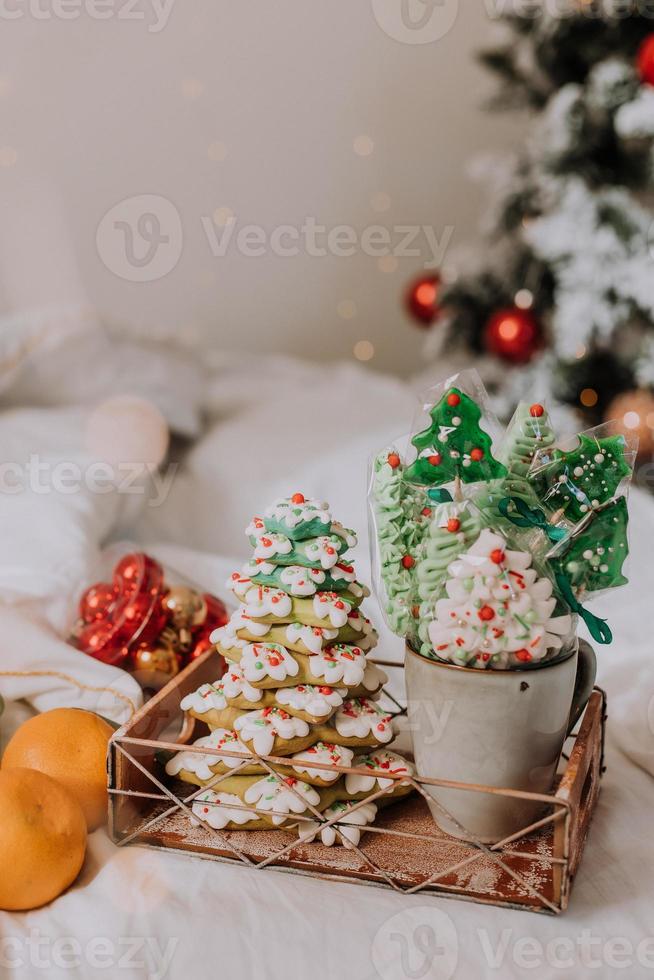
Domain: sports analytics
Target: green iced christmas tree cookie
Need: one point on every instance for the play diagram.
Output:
(398, 536)
(580, 481)
(453, 528)
(528, 433)
(454, 445)
(595, 558)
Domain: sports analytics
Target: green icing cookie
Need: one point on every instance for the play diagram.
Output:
(529, 431)
(321, 552)
(595, 557)
(582, 480)
(398, 535)
(298, 580)
(298, 517)
(454, 445)
(452, 530)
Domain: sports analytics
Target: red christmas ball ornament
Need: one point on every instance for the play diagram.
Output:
(421, 299)
(96, 601)
(513, 335)
(645, 60)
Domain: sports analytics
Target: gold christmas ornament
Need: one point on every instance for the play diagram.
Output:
(631, 413)
(155, 665)
(185, 607)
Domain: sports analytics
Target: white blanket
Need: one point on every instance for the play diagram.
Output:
(136, 913)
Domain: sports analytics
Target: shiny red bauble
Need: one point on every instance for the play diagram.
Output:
(645, 60)
(513, 335)
(421, 299)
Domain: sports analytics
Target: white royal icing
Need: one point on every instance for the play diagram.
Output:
(287, 512)
(345, 533)
(201, 765)
(350, 824)
(381, 759)
(226, 635)
(217, 809)
(262, 726)
(258, 567)
(343, 573)
(302, 581)
(272, 793)
(317, 701)
(260, 660)
(239, 583)
(261, 600)
(339, 662)
(326, 753)
(324, 549)
(272, 543)
(206, 698)
(313, 637)
(361, 717)
(256, 528)
(329, 605)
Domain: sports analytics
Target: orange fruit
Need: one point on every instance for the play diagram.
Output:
(42, 839)
(71, 746)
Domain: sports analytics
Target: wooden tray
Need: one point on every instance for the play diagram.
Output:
(403, 850)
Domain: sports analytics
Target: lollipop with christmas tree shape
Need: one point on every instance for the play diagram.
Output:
(454, 446)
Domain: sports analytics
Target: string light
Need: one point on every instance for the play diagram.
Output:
(580, 352)
(524, 299)
(588, 397)
(363, 350)
(631, 420)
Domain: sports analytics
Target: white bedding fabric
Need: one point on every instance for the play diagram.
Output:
(312, 429)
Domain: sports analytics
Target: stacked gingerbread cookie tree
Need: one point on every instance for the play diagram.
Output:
(298, 686)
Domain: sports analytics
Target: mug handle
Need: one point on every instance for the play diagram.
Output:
(584, 682)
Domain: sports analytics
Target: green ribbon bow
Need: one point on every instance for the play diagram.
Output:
(525, 516)
(439, 495)
(598, 628)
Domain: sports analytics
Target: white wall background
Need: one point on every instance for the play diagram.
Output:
(253, 106)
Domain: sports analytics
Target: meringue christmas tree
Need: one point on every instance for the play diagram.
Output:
(529, 432)
(498, 612)
(454, 445)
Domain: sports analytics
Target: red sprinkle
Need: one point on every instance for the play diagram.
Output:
(453, 525)
(536, 411)
(408, 561)
(477, 454)
(453, 399)
(497, 556)
(393, 460)
(298, 498)
(486, 613)
(523, 655)
(435, 460)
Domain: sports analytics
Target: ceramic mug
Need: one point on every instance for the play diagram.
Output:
(501, 728)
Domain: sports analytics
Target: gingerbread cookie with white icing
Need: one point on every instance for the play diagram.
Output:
(201, 769)
(226, 811)
(378, 762)
(274, 800)
(346, 830)
(264, 604)
(314, 703)
(273, 731)
(232, 690)
(263, 665)
(359, 721)
(299, 637)
(323, 753)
